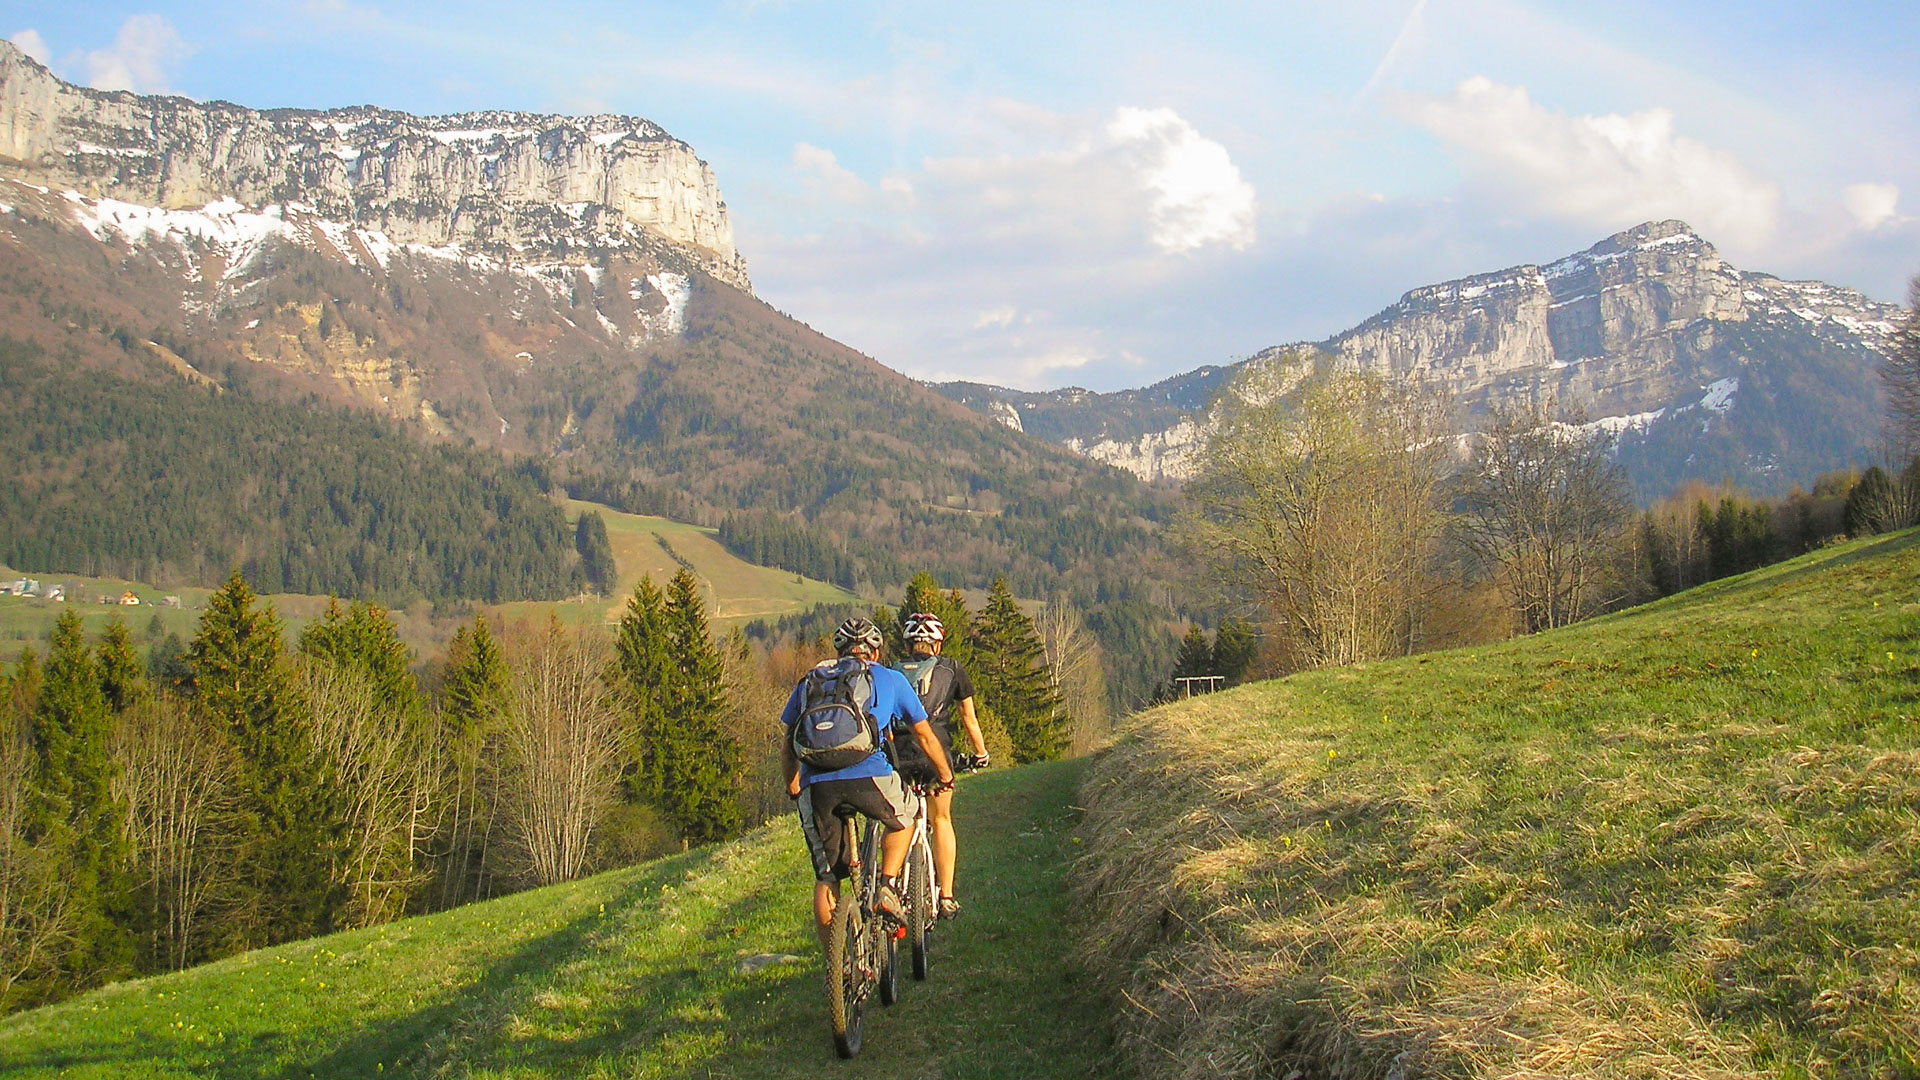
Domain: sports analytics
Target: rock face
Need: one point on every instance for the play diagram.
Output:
(512, 185)
(1703, 370)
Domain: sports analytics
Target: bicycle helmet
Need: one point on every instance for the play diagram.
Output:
(856, 631)
(923, 626)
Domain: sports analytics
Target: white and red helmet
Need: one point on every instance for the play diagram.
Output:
(923, 626)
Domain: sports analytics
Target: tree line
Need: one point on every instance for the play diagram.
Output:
(251, 790)
(1335, 504)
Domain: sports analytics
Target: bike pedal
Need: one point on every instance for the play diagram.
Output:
(899, 933)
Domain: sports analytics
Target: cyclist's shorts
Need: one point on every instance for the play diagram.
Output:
(829, 841)
(913, 765)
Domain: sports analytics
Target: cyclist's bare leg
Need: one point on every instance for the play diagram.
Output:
(893, 851)
(945, 847)
(826, 897)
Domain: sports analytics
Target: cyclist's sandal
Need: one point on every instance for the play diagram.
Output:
(949, 907)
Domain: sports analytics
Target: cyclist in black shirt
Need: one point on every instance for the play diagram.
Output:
(946, 691)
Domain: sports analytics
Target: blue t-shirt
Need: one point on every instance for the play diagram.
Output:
(894, 703)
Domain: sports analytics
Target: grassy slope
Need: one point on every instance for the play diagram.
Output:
(628, 974)
(739, 591)
(1681, 840)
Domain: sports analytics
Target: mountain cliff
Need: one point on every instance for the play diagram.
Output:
(438, 271)
(1706, 371)
(508, 184)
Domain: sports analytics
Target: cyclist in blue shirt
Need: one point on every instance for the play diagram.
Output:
(871, 787)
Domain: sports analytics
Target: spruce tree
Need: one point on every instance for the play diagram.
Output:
(363, 638)
(474, 700)
(1235, 646)
(23, 688)
(644, 674)
(596, 553)
(1194, 661)
(1011, 672)
(290, 815)
(923, 593)
(75, 809)
(121, 678)
(699, 763)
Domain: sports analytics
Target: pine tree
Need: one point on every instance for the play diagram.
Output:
(75, 806)
(699, 763)
(363, 638)
(1235, 646)
(475, 693)
(596, 553)
(644, 673)
(923, 593)
(1010, 671)
(167, 666)
(23, 688)
(121, 678)
(290, 813)
(1194, 661)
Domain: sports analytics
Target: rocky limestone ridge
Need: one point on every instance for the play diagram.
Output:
(1624, 327)
(513, 185)
(1649, 326)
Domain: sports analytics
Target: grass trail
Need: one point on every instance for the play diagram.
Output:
(628, 974)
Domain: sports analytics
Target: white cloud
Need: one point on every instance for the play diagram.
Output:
(822, 172)
(141, 54)
(1606, 171)
(1199, 197)
(1872, 205)
(35, 46)
(938, 267)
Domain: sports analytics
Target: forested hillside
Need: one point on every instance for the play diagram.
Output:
(714, 409)
(161, 480)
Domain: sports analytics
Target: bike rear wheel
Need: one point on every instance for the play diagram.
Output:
(889, 960)
(846, 990)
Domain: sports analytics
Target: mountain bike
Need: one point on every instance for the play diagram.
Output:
(917, 882)
(917, 889)
(861, 945)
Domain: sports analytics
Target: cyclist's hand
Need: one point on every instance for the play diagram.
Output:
(981, 760)
(941, 787)
(793, 786)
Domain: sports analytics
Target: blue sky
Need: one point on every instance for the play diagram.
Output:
(1044, 194)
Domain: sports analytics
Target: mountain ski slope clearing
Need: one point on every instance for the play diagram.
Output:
(738, 591)
(1682, 840)
(633, 973)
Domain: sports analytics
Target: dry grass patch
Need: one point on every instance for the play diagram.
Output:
(1682, 841)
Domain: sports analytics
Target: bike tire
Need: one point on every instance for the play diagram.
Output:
(920, 909)
(889, 964)
(846, 1002)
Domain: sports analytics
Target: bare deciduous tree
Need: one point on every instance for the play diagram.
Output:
(1076, 667)
(175, 775)
(564, 744)
(37, 920)
(1543, 506)
(1901, 378)
(1318, 492)
(387, 772)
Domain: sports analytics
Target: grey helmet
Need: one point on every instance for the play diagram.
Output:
(856, 631)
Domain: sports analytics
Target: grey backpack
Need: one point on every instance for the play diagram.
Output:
(836, 729)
